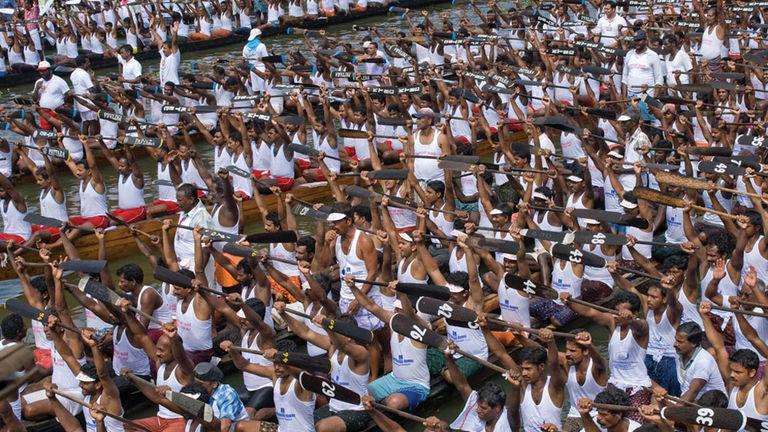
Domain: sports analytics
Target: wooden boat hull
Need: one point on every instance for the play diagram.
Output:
(12, 80)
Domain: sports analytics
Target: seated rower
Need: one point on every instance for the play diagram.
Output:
(166, 203)
(13, 209)
(130, 186)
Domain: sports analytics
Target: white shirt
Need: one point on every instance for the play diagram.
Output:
(52, 92)
(681, 62)
(701, 366)
(131, 70)
(642, 68)
(81, 82)
(609, 27)
(169, 67)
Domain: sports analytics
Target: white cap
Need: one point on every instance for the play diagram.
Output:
(335, 217)
(495, 212)
(406, 237)
(509, 256)
(624, 117)
(84, 378)
(456, 233)
(241, 314)
(397, 304)
(455, 289)
(588, 221)
(366, 44)
(254, 34)
(615, 154)
(538, 195)
(191, 395)
(627, 204)
(43, 65)
(575, 179)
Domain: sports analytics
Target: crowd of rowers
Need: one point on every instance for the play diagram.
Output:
(669, 341)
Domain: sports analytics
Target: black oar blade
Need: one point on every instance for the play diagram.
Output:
(322, 386)
(496, 245)
(599, 238)
(351, 330)
(272, 237)
(304, 361)
(358, 192)
(99, 291)
(303, 149)
(84, 266)
(192, 406)
(529, 287)
(424, 290)
(171, 277)
(238, 171)
(718, 418)
(446, 310)
(238, 250)
(26, 310)
(388, 174)
(142, 142)
(409, 328)
(577, 256)
(36, 219)
(310, 212)
(710, 151)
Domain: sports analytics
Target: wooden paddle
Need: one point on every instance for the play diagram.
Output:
(457, 158)
(33, 313)
(382, 174)
(658, 197)
(10, 387)
(353, 331)
(361, 134)
(53, 152)
(189, 405)
(82, 402)
(415, 289)
(171, 277)
(83, 266)
(153, 238)
(102, 293)
(530, 287)
(692, 183)
(599, 215)
(36, 219)
(309, 151)
(740, 311)
(319, 364)
(717, 418)
(216, 236)
(331, 390)
(452, 165)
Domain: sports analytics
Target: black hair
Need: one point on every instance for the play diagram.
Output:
(535, 355)
(505, 208)
(286, 345)
(437, 186)
(628, 297)
(188, 190)
(363, 211)
(746, 358)
(195, 387)
(458, 278)
(245, 266)
(721, 240)
(81, 60)
(39, 284)
(131, 272)
(89, 369)
(12, 327)
(755, 218)
(126, 47)
(257, 306)
(613, 396)
(693, 332)
(492, 394)
(273, 217)
(674, 261)
(236, 136)
(344, 208)
(713, 399)
(547, 192)
(307, 241)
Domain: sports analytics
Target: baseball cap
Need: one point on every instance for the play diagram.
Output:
(588, 221)
(335, 217)
(43, 65)
(640, 35)
(424, 112)
(254, 34)
(455, 289)
(207, 371)
(406, 237)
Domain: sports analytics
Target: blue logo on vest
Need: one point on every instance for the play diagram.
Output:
(282, 415)
(400, 361)
(507, 306)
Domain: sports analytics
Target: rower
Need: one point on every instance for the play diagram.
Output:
(193, 214)
(194, 320)
(50, 90)
(165, 204)
(457, 106)
(147, 299)
(37, 295)
(324, 133)
(14, 332)
(358, 149)
(698, 368)
(427, 140)
(224, 398)
(130, 68)
(82, 82)
(190, 164)
(165, 97)
(607, 419)
(587, 373)
(131, 207)
(68, 124)
(239, 148)
(13, 212)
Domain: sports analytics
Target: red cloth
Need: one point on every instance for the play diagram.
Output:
(351, 152)
(284, 183)
(55, 232)
(43, 358)
(44, 124)
(155, 334)
(200, 193)
(303, 164)
(319, 176)
(131, 215)
(8, 237)
(242, 194)
(259, 174)
(462, 139)
(171, 206)
(96, 221)
(157, 424)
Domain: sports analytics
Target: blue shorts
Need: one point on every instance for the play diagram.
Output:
(388, 384)
(2, 74)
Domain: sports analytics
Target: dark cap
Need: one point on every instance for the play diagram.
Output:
(640, 35)
(206, 371)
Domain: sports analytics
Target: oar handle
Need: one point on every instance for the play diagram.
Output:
(82, 402)
(681, 401)
(717, 212)
(613, 407)
(552, 209)
(247, 350)
(403, 414)
(485, 363)
(638, 272)
(753, 304)
(297, 313)
(593, 306)
(152, 237)
(738, 192)
(492, 229)
(501, 322)
(741, 311)
(145, 315)
(282, 260)
(375, 283)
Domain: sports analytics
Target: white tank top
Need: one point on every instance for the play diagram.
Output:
(576, 391)
(125, 355)
(468, 420)
(325, 146)
(408, 362)
(459, 128)
(690, 310)
(514, 307)
(173, 383)
(217, 225)
(343, 375)
(221, 157)
(161, 313)
(405, 274)
(711, 46)
(240, 183)
(535, 415)
(749, 408)
(564, 280)
(278, 250)
(442, 223)
(675, 232)
(360, 144)
(128, 195)
(190, 174)
(401, 218)
(293, 414)
(281, 166)
(14, 57)
(643, 249)
(169, 300)
(545, 225)
(92, 203)
(457, 264)
(165, 193)
(350, 263)
(741, 341)
(596, 273)
(468, 339)
(754, 258)
(313, 349)
(195, 333)
(62, 375)
(6, 160)
(13, 220)
(110, 424)
(41, 341)
(262, 156)
(427, 169)
(251, 381)
(626, 361)
(661, 337)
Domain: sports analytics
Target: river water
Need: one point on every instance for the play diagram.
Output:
(446, 407)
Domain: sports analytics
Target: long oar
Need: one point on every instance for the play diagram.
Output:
(740, 311)
(154, 238)
(171, 277)
(718, 418)
(692, 183)
(366, 195)
(578, 256)
(353, 331)
(102, 293)
(80, 401)
(309, 151)
(33, 313)
(54, 152)
(164, 182)
(658, 197)
(299, 360)
(36, 219)
(332, 390)
(415, 289)
(383, 174)
(462, 166)
(11, 387)
(409, 328)
(215, 235)
(600, 215)
(192, 407)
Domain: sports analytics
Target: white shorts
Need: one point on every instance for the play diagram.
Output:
(364, 317)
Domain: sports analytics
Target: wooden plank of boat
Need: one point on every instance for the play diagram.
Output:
(16, 79)
(120, 243)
